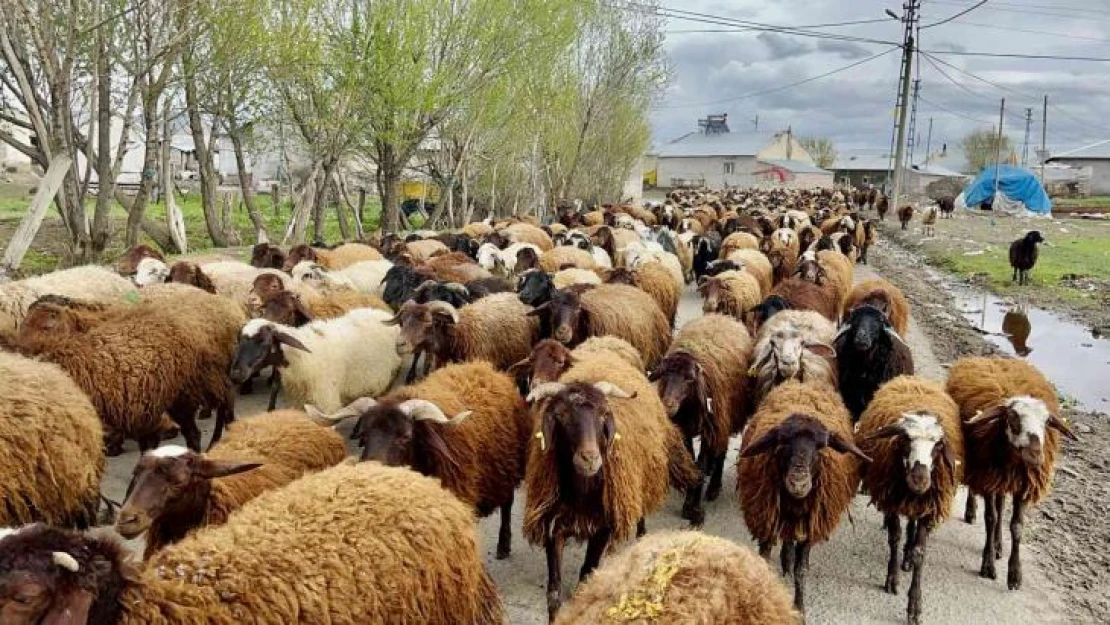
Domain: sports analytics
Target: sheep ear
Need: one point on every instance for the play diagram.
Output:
(991, 414)
(291, 341)
(72, 608)
(520, 368)
(612, 390)
(821, 349)
(539, 310)
(762, 445)
(887, 431)
(210, 469)
(844, 446)
(1058, 424)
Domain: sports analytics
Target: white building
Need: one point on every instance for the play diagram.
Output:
(1096, 157)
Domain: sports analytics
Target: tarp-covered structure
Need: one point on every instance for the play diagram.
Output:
(1018, 190)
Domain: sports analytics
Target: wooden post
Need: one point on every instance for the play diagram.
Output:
(275, 198)
(362, 205)
(29, 226)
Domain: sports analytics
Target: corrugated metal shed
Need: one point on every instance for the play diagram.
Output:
(861, 162)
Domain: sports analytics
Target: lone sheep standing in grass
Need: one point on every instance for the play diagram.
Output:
(1023, 255)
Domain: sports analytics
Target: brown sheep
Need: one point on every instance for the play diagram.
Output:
(456, 267)
(528, 233)
(783, 265)
(686, 577)
(297, 309)
(912, 432)
(604, 428)
(617, 309)
(838, 271)
(656, 281)
(738, 241)
(129, 262)
(905, 215)
(176, 490)
(731, 293)
(1012, 429)
(465, 424)
(802, 294)
(807, 476)
(496, 329)
(755, 263)
(560, 257)
(477, 229)
(338, 258)
(698, 383)
(266, 256)
(550, 358)
(886, 297)
(297, 554)
(425, 249)
(51, 444)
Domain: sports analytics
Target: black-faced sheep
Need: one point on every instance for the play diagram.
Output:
(886, 297)
(176, 490)
(1012, 429)
(464, 424)
(798, 471)
(1023, 255)
(52, 449)
(704, 396)
(905, 215)
(299, 553)
(912, 432)
(604, 459)
(869, 353)
(682, 577)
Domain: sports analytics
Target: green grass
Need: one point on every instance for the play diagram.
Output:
(1087, 257)
(1095, 201)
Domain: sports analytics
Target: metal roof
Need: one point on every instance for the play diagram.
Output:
(937, 170)
(1097, 150)
(697, 144)
(797, 167)
(862, 162)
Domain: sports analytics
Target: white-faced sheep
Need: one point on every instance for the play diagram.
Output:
(793, 344)
(912, 432)
(798, 471)
(465, 424)
(52, 446)
(604, 459)
(327, 363)
(1012, 428)
(364, 276)
(176, 491)
(705, 396)
(297, 554)
(686, 577)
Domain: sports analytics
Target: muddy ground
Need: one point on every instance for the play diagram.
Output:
(1069, 530)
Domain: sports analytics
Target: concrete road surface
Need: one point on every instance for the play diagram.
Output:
(846, 574)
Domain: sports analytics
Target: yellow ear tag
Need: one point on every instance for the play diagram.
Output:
(616, 437)
(751, 371)
(543, 442)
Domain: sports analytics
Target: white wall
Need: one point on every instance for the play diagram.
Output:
(9, 156)
(1100, 173)
(708, 168)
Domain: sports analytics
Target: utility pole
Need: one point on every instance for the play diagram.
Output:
(1044, 137)
(1025, 144)
(913, 139)
(998, 144)
(909, 21)
(929, 141)
(756, 122)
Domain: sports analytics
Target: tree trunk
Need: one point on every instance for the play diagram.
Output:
(175, 221)
(29, 225)
(105, 177)
(235, 134)
(150, 161)
(302, 208)
(362, 205)
(217, 230)
(320, 201)
(389, 179)
(275, 198)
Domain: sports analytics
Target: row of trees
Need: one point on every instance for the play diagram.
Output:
(506, 104)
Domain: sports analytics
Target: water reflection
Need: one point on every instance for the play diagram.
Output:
(1016, 327)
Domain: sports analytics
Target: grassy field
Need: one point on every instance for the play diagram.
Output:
(1094, 204)
(48, 248)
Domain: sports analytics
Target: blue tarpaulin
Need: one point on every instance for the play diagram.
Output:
(1016, 183)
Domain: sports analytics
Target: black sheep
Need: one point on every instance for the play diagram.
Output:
(947, 207)
(868, 353)
(1023, 255)
(706, 249)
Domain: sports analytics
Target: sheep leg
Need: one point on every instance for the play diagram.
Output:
(765, 550)
(801, 566)
(554, 548)
(999, 507)
(641, 527)
(224, 416)
(505, 535)
(893, 526)
(714, 489)
(969, 507)
(275, 387)
(594, 548)
(990, 517)
(786, 558)
(1013, 575)
(913, 610)
(1015, 276)
(411, 376)
(911, 540)
(692, 508)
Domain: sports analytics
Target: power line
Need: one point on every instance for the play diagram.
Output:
(1031, 32)
(951, 112)
(1037, 9)
(748, 28)
(1004, 55)
(952, 17)
(965, 88)
(784, 87)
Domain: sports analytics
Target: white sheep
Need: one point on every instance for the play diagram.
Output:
(364, 276)
(88, 282)
(326, 363)
(150, 271)
(793, 344)
(503, 261)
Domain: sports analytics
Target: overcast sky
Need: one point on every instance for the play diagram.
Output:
(855, 107)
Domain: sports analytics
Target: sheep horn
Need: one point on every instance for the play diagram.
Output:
(894, 335)
(457, 288)
(424, 410)
(443, 308)
(425, 285)
(545, 390)
(65, 561)
(612, 390)
(353, 409)
(887, 431)
(1056, 423)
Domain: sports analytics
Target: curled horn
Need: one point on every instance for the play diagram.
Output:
(353, 409)
(290, 340)
(457, 288)
(545, 390)
(987, 415)
(612, 390)
(443, 308)
(894, 335)
(65, 561)
(1056, 423)
(425, 285)
(424, 410)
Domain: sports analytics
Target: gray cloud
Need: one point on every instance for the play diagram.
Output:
(843, 49)
(784, 47)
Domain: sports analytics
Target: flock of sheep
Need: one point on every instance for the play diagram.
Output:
(542, 356)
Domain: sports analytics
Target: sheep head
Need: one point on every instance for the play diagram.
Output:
(129, 263)
(716, 294)
(264, 255)
(260, 345)
(286, 308)
(1025, 420)
(680, 380)
(56, 576)
(397, 433)
(796, 443)
(921, 445)
(297, 254)
(811, 271)
(150, 271)
(535, 287)
(425, 327)
(565, 314)
(451, 292)
(172, 481)
(865, 329)
(782, 353)
(185, 272)
(576, 421)
(548, 360)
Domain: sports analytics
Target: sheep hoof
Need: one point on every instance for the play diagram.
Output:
(697, 517)
(891, 585)
(503, 552)
(1013, 580)
(907, 565)
(713, 492)
(969, 518)
(987, 570)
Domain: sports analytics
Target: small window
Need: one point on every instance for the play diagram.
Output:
(730, 167)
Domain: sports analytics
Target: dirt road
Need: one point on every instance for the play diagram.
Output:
(845, 583)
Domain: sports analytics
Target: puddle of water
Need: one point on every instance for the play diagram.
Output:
(1076, 359)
